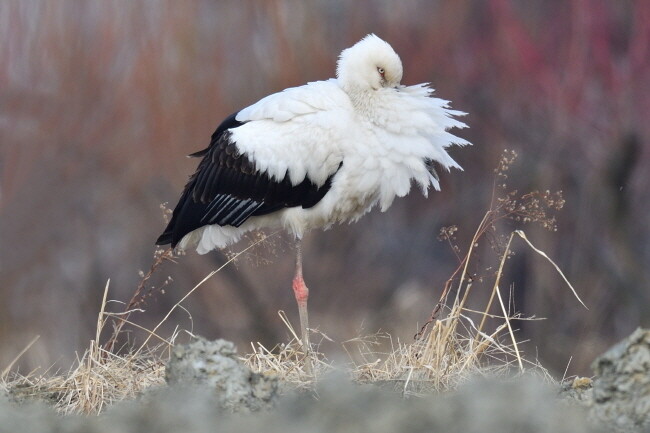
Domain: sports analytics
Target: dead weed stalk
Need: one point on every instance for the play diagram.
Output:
(446, 351)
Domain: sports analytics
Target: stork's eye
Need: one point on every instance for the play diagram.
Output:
(381, 71)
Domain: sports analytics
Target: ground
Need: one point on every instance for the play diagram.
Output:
(210, 389)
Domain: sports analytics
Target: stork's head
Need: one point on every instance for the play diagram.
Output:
(370, 64)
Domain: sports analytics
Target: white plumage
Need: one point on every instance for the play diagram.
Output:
(383, 133)
(319, 154)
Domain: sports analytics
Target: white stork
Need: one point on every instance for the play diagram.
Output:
(315, 155)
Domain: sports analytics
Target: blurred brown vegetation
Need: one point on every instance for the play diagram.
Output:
(100, 101)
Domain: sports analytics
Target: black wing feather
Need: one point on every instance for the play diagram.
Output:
(227, 190)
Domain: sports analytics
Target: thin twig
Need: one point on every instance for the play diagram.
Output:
(210, 275)
(21, 353)
(136, 298)
(512, 334)
(557, 268)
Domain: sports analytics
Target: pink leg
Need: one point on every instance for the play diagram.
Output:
(302, 294)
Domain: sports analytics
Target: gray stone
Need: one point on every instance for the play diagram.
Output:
(622, 389)
(214, 364)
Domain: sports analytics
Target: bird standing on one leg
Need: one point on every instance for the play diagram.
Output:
(315, 155)
(301, 292)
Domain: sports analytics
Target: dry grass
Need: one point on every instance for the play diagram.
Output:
(98, 378)
(446, 352)
(288, 360)
(444, 356)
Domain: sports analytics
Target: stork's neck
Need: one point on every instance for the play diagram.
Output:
(364, 101)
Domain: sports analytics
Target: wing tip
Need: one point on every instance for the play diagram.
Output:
(165, 239)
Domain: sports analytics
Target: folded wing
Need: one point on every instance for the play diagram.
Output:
(266, 168)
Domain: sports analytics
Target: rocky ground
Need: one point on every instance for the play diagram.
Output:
(210, 390)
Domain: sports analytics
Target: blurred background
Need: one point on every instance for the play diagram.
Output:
(101, 100)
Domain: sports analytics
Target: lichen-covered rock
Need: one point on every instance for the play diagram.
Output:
(622, 388)
(214, 364)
